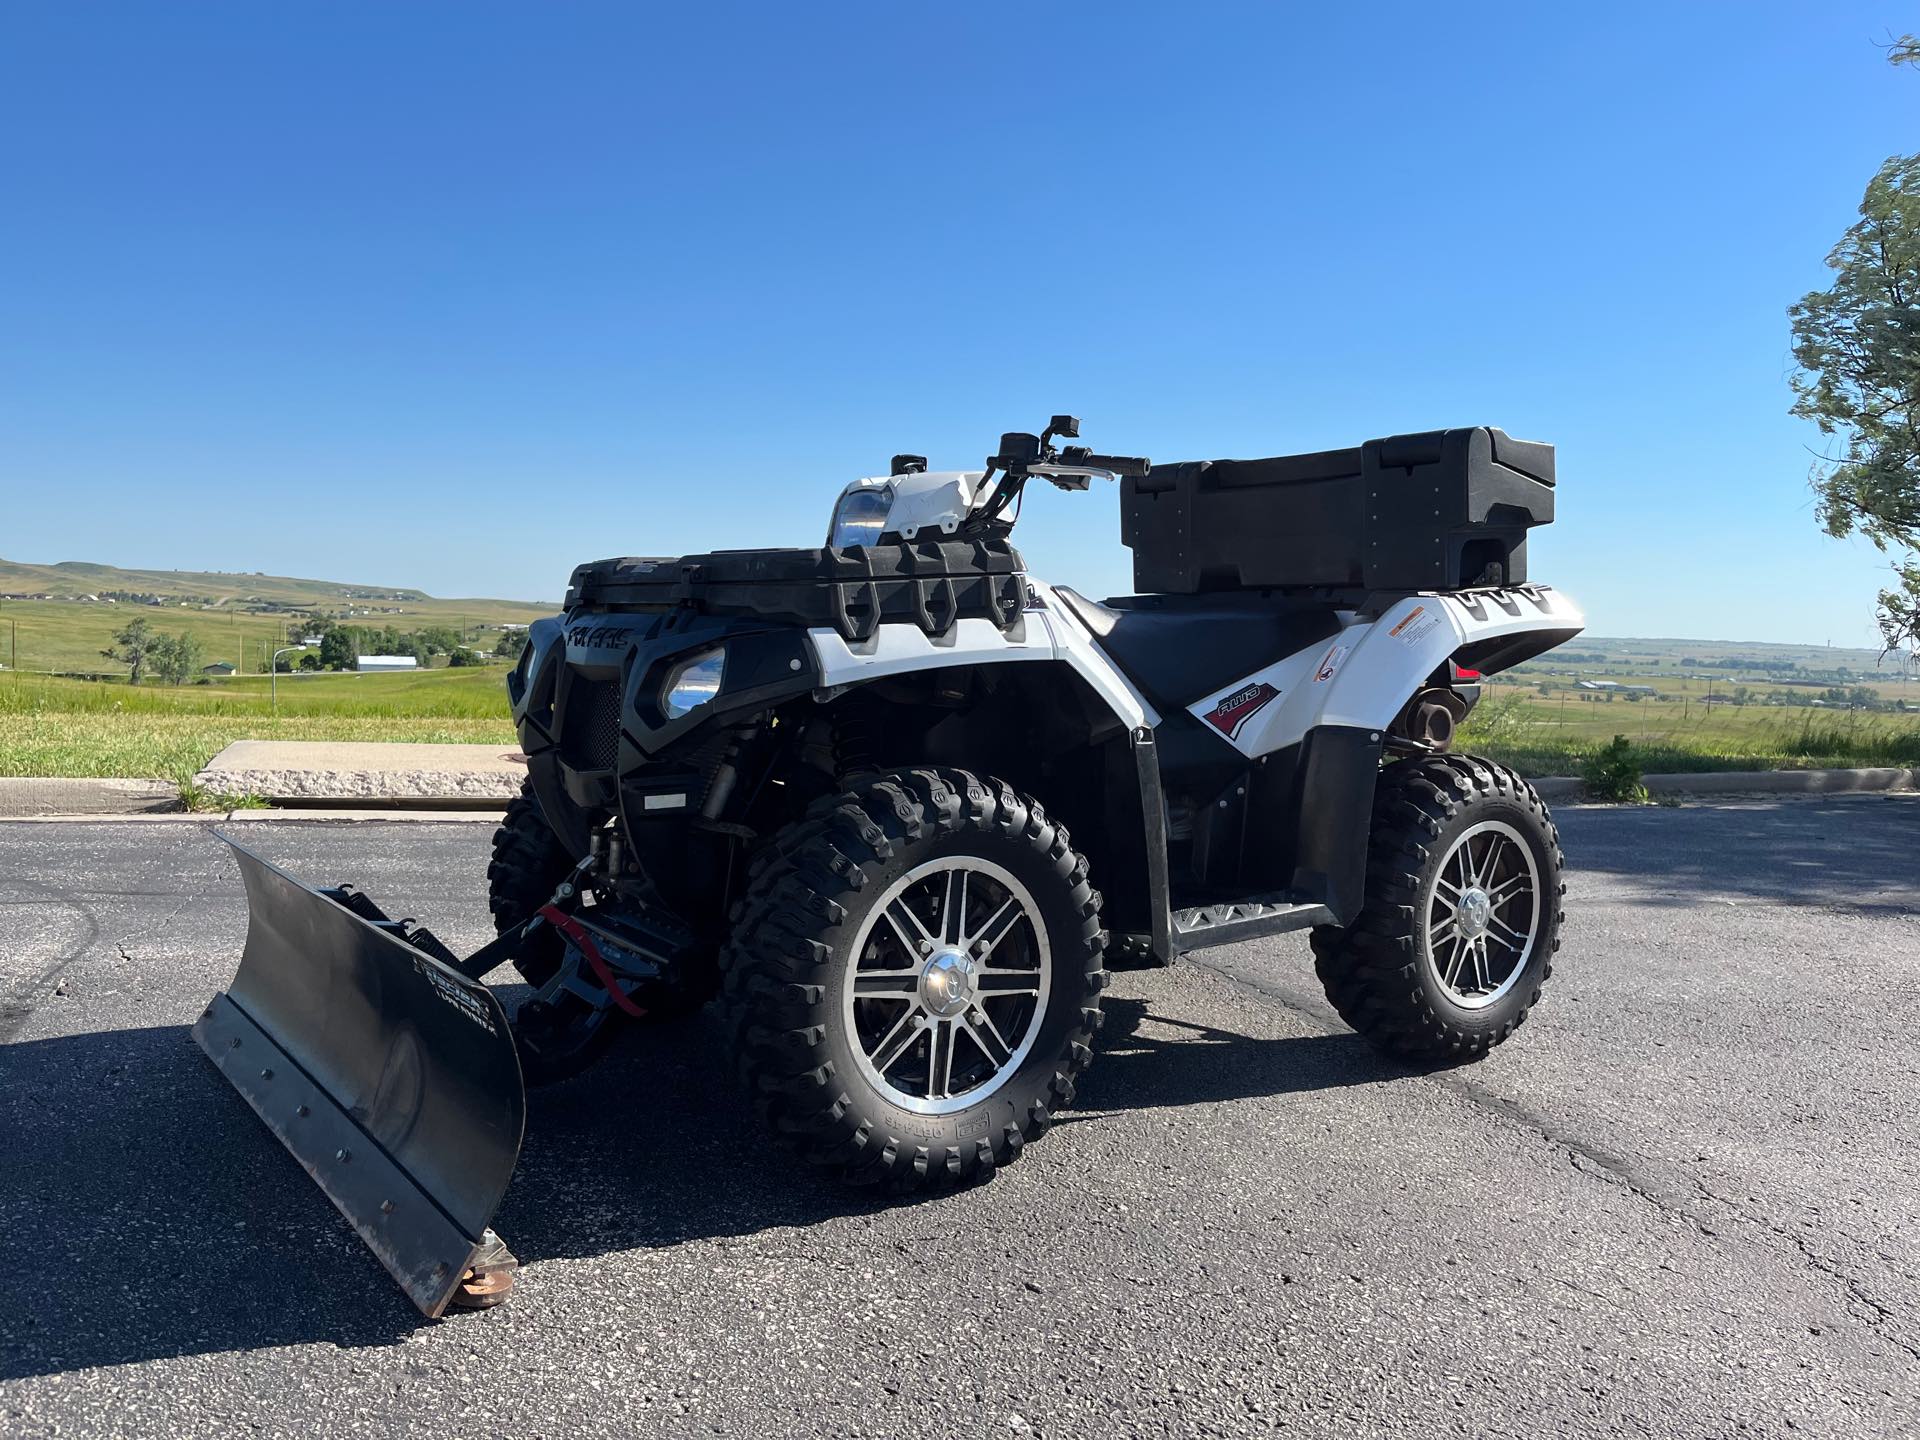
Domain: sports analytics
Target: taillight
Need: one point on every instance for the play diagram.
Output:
(1462, 673)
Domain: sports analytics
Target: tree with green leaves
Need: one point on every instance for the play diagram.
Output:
(133, 647)
(175, 658)
(1857, 345)
(340, 648)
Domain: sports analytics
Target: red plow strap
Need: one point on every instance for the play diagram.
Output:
(582, 939)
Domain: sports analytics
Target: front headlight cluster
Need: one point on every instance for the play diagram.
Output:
(861, 517)
(692, 683)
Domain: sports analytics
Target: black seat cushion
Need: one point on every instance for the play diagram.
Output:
(1182, 648)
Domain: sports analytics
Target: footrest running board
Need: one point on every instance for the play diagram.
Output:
(1205, 926)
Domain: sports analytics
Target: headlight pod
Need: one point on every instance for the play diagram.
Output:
(861, 517)
(692, 683)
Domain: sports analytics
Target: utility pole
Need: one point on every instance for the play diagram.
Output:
(273, 675)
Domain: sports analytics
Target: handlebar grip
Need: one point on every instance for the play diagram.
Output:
(1134, 465)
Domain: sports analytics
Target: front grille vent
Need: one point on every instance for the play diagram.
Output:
(590, 730)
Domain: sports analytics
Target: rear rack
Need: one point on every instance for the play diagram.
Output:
(1443, 510)
(855, 589)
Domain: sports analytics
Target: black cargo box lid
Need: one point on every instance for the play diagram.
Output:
(1437, 510)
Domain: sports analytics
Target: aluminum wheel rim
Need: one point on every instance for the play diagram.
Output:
(1482, 914)
(948, 986)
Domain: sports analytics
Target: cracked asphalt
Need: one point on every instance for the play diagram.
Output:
(1681, 1202)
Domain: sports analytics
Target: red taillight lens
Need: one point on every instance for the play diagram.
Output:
(1460, 673)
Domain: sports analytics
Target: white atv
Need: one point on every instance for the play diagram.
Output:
(897, 800)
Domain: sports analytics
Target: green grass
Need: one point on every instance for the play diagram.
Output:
(1540, 736)
(51, 726)
(54, 726)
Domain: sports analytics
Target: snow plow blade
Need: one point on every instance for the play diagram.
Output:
(389, 1074)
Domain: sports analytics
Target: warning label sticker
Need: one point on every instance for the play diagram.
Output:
(1329, 663)
(1416, 626)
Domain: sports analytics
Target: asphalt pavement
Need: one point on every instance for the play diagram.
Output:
(1681, 1202)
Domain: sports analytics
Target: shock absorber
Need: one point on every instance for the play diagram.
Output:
(856, 736)
(726, 775)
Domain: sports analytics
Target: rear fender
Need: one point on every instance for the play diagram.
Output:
(1361, 679)
(1419, 634)
(1314, 724)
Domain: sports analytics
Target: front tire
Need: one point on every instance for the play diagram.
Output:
(1462, 913)
(528, 862)
(914, 979)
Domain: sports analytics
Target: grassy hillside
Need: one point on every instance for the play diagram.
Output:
(78, 577)
(1678, 664)
(239, 618)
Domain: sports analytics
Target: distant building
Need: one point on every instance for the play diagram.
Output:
(373, 664)
(219, 667)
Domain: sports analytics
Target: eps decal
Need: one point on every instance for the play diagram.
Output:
(1230, 716)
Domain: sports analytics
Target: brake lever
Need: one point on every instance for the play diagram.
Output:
(1070, 477)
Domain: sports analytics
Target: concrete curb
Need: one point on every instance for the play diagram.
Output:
(25, 798)
(147, 800)
(411, 814)
(226, 818)
(358, 773)
(1751, 782)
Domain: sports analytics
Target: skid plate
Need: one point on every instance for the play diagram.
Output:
(391, 1077)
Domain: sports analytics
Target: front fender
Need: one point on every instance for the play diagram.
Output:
(587, 672)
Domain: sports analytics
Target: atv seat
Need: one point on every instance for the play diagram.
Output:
(1182, 648)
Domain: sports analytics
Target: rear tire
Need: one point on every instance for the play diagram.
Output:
(1462, 913)
(914, 979)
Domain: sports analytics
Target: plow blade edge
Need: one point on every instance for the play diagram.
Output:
(390, 1076)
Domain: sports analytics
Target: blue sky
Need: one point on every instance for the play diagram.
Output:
(459, 295)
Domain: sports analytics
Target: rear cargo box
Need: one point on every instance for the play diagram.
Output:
(1437, 511)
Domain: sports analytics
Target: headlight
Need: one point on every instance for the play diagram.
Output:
(861, 517)
(692, 683)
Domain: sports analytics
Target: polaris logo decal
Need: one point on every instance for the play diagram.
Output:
(598, 637)
(1230, 716)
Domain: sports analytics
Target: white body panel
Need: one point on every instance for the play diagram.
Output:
(1362, 676)
(1078, 649)
(896, 649)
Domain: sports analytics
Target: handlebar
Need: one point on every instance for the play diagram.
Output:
(1133, 465)
(1022, 456)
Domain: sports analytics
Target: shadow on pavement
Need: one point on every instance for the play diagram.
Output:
(1198, 1064)
(1857, 853)
(148, 1214)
